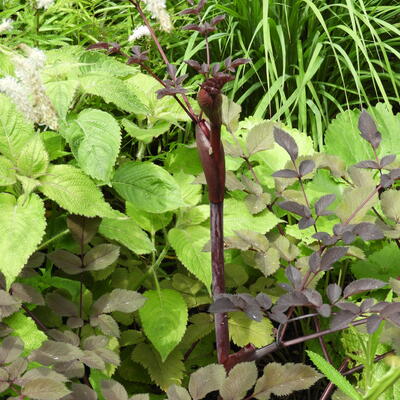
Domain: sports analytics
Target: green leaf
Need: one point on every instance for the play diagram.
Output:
(7, 172)
(191, 193)
(148, 221)
(206, 380)
(61, 94)
(353, 203)
(344, 139)
(94, 138)
(25, 328)
(164, 317)
(73, 190)
(230, 113)
(237, 217)
(282, 380)
(128, 233)
(145, 135)
(33, 159)
(260, 137)
(44, 389)
(22, 225)
(148, 187)
(113, 90)
(15, 130)
(164, 374)
(381, 264)
(241, 378)
(188, 244)
(334, 375)
(390, 202)
(244, 330)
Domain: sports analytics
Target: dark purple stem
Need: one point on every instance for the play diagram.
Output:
(218, 280)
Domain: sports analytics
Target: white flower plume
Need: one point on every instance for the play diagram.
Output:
(139, 32)
(44, 4)
(158, 10)
(6, 25)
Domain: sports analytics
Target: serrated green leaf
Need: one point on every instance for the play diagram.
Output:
(244, 330)
(94, 138)
(334, 375)
(343, 137)
(113, 90)
(33, 159)
(73, 190)
(390, 202)
(194, 215)
(260, 137)
(188, 244)
(145, 135)
(164, 374)
(25, 328)
(237, 217)
(283, 380)
(61, 94)
(148, 187)
(241, 378)
(353, 203)
(230, 113)
(164, 318)
(191, 193)
(381, 264)
(148, 221)
(15, 130)
(22, 226)
(206, 380)
(128, 233)
(7, 172)
(54, 144)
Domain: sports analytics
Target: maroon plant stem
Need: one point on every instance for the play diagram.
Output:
(328, 390)
(38, 322)
(262, 352)
(188, 107)
(356, 211)
(152, 33)
(218, 280)
(361, 366)
(321, 341)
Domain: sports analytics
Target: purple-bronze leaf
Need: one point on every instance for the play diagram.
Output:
(366, 305)
(295, 208)
(278, 317)
(387, 160)
(333, 292)
(306, 222)
(324, 310)
(368, 231)
(294, 276)
(332, 255)
(369, 130)
(314, 261)
(287, 142)
(342, 319)
(194, 64)
(239, 61)
(348, 237)
(223, 304)
(367, 164)
(264, 301)
(99, 45)
(348, 306)
(325, 238)
(285, 173)
(373, 323)
(313, 297)
(324, 202)
(362, 285)
(306, 167)
(216, 20)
